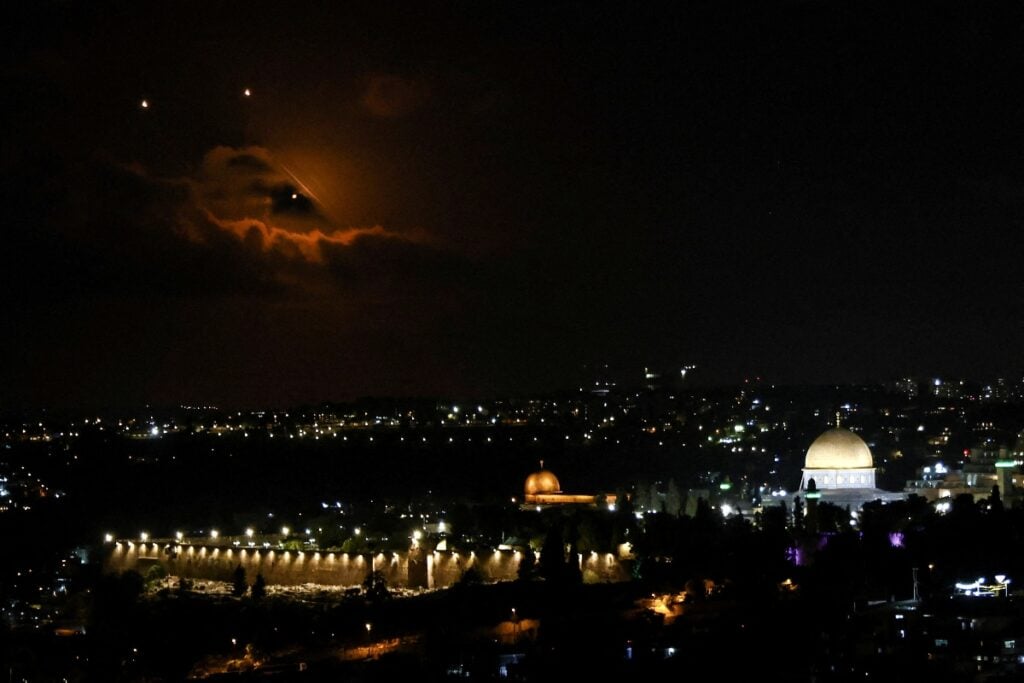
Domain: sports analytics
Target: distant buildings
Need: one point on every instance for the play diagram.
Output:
(982, 469)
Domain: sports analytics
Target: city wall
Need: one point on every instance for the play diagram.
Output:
(414, 568)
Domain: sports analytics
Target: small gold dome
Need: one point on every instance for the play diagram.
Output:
(838, 449)
(543, 481)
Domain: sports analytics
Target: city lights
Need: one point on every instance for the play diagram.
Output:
(448, 254)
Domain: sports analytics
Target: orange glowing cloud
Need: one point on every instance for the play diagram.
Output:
(306, 244)
(248, 194)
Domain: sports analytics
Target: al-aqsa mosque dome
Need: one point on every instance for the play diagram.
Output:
(838, 449)
(543, 490)
(543, 481)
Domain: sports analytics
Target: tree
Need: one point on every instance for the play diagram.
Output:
(832, 518)
(995, 501)
(470, 577)
(642, 502)
(655, 499)
(589, 536)
(798, 514)
(354, 544)
(259, 587)
(623, 504)
(238, 584)
(673, 499)
(572, 572)
(552, 556)
(376, 586)
(155, 574)
(527, 565)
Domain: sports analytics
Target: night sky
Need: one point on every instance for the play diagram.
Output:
(487, 198)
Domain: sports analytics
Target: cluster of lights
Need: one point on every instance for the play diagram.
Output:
(978, 587)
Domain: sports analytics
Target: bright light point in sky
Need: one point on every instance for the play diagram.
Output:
(295, 195)
(144, 104)
(247, 92)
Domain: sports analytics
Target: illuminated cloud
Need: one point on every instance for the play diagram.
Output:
(306, 244)
(244, 192)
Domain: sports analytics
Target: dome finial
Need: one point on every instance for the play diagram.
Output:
(837, 420)
(542, 463)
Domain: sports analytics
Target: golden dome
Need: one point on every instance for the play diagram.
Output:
(838, 449)
(543, 481)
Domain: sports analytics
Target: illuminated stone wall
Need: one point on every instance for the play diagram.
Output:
(283, 567)
(603, 568)
(277, 566)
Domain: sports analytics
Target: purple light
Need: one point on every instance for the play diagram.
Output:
(896, 539)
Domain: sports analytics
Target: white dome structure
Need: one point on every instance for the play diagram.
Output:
(838, 449)
(839, 459)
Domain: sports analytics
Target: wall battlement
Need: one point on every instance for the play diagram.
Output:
(414, 568)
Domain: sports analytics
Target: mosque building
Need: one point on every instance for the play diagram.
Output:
(542, 489)
(842, 469)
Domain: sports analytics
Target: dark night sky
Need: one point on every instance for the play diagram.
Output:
(490, 196)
